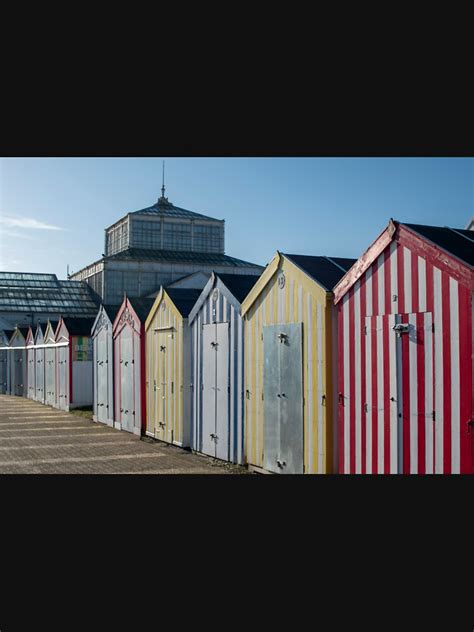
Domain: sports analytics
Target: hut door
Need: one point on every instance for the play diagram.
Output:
(208, 389)
(40, 375)
(63, 369)
(399, 382)
(102, 377)
(3, 372)
(160, 385)
(31, 373)
(127, 382)
(48, 372)
(283, 398)
(18, 369)
(221, 438)
(215, 392)
(415, 393)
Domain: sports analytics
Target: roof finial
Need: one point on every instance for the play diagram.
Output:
(163, 186)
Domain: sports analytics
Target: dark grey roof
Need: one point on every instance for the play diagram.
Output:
(165, 208)
(111, 311)
(24, 292)
(239, 285)
(79, 326)
(184, 256)
(183, 298)
(457, 241)
(142, 307)
(327, 271)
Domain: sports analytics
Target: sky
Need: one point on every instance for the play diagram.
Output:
(53, 211)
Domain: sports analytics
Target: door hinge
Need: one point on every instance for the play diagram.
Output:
(432, 327)
(433, 415)
(365, 330)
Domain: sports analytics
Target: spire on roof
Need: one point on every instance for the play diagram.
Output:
(163, 201)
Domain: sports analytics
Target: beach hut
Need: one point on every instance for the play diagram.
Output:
(103, 364)
(169, 366)
(218, 367)
(50, 368)
(406, 352)
(74, 362)
(129, 365)
(289, 321)
(5, 335)
(39, 365)
(18, 364)
(31, 364)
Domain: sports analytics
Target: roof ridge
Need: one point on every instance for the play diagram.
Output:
(454, 230)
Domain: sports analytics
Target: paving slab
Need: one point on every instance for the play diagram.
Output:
(38, 439)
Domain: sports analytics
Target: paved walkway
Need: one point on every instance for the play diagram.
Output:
(38, 439)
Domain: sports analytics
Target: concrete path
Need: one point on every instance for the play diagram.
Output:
(38, 439)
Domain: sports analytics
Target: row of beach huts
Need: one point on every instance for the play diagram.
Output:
(320, 365)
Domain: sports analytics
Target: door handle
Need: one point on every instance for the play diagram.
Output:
(281, 463)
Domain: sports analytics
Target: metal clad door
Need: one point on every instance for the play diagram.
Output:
(209, 364)
(126, 410)
(222, 392)
(102, 377)
(40, 375)
(271, 390)
(291, 399)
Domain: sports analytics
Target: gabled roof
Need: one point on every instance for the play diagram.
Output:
(321, 269)
(326, 271)
(141, 306)
(239, 285)
(164, 208)
(52, 325)
(183, 299)
(234, 286)
(178, 256)
(457, 241)
(111, 311)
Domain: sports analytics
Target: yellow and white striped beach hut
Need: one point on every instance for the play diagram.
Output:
(290, 372)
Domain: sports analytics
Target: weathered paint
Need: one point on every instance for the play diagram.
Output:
(218, 372)
(103, 368)
(169, 385)
(405, 402)
(300, 300)
(129, 374)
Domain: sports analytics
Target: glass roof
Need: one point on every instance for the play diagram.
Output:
(24, 292)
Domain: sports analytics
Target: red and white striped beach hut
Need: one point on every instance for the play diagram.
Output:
(405, 354)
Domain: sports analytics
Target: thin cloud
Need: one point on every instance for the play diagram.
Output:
(11, 233)
(26, 222)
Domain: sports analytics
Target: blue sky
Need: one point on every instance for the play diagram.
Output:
(53, 211)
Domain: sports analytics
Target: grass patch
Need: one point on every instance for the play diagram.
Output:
(83, 411)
